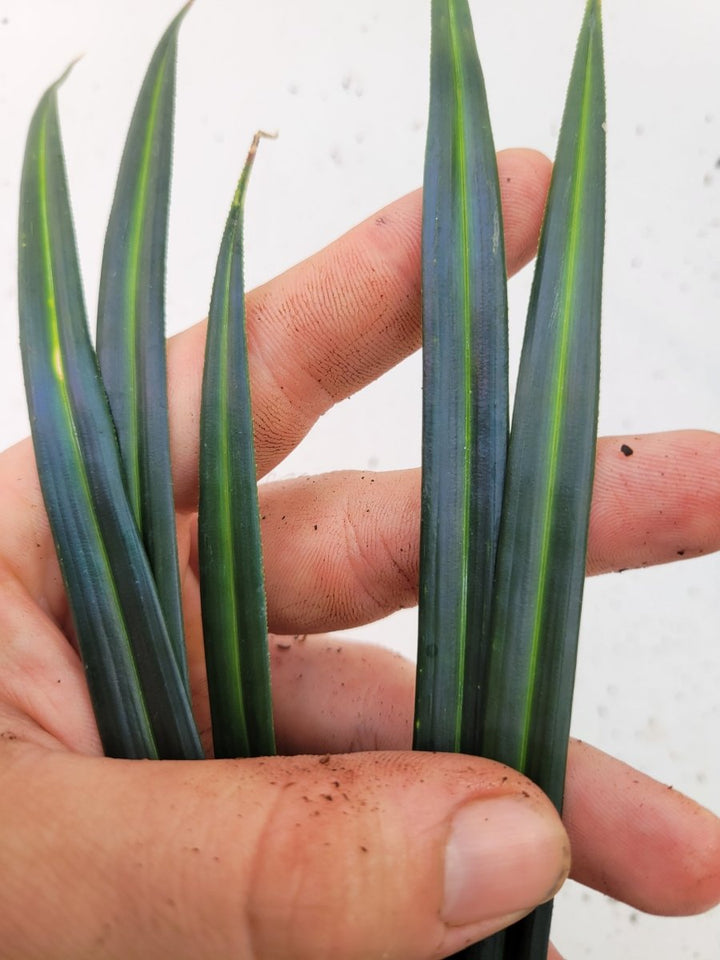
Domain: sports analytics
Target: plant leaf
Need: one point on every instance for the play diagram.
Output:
(120, 629)
(551, 458)
(230, 549)
(465, 405)
(131, 324)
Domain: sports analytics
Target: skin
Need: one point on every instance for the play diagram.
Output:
(338, 848)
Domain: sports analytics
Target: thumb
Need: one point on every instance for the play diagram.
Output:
(356, 856)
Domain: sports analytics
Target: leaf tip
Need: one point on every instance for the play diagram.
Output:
(68, 70)
(261, 135)
(242, 183)
(183, 11)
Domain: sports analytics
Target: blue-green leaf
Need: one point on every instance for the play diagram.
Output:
(137, 692)
(230, 549)
(131, 324)
(551, 458)
(465, 405)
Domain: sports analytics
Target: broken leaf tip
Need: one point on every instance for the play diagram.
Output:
(242, 184)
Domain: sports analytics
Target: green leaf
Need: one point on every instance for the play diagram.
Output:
(119, 625)
(465, 405)
(230, 549)
(551, 457)
(131, 324)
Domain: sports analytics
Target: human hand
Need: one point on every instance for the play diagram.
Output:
(343, 853)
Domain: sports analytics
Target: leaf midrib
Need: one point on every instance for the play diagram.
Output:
(464, 229)
(133, 355)
(229, 559)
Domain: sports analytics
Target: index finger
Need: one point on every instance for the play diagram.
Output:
(337, 321)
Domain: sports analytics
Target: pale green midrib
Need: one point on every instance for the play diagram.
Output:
(61, 383)
(137, 232)
(559, 381)
(459, 156)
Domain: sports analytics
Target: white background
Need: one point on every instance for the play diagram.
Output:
(345, 84)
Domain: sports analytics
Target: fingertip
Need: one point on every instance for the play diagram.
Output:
(698, 859)
(638, 840)
(501, 831)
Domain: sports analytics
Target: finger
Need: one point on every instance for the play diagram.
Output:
(337, 321)
(640, 840)
(632, 837)
(316, 334)
(342, 549)
(335, 697)
(350, 550)
(412, 855)
(656, 499)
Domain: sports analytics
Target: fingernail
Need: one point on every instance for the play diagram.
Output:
(504, 855)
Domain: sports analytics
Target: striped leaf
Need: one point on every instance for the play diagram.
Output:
(465, 406)
(230, 550)
(131, 324)
(551, 457)
(140, 702)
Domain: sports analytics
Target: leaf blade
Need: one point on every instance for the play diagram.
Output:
(230, 548)
(109, 585)
(543, 536)
(465, 405)
(131, 324)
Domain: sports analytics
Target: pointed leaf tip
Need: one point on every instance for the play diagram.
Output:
(66, 72)
(182, 12)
